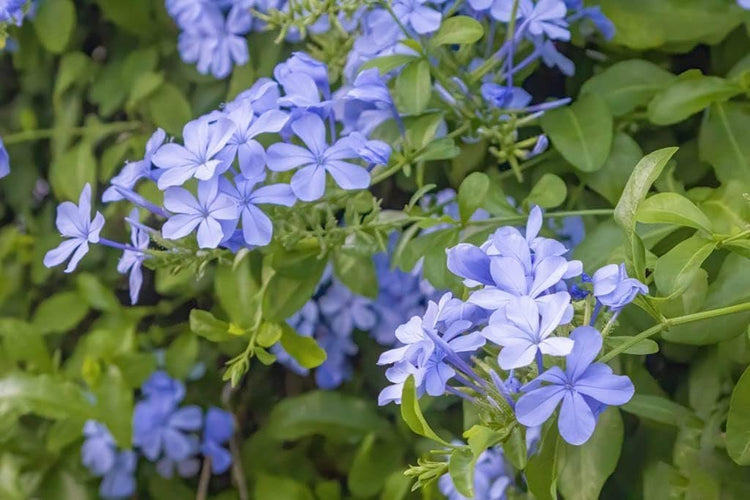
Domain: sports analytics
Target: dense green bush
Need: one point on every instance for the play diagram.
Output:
(241, 356)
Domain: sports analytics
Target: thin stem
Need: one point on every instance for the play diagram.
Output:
(102, 128)
(532, 162)
(735, 237)
(204, 480)
(668, 322)
(120, 246)
(549, 215)
(237, 472)
(609, 324)
(460, 394)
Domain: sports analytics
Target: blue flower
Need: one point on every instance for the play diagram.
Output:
(12, 10)
(546, 18)
(414, 13)
(366, 104)
(344, 311)
(74, 223)
(308, 183)
(263, 96)
(337, 368)
(4, 160)
(204, 213)
(257, 228)
(500, 96)
(614, 289)
(585, 389)
(119, 481)
(99, 451)
(160, 428)
(250, 154)
(131, 260)
(132, 172)
(302, 63)
(397, 375)
(524, 331)
(198, 157)
(214, 42)
(554, 58)
(745, 4)
(160, 385)
(189, 467)
(218, 429)
(490, 478)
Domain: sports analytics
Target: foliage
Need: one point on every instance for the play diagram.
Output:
(262, 201)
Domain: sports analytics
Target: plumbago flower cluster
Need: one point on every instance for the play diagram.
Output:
(531, 309)
(232, 173)
(164, 432)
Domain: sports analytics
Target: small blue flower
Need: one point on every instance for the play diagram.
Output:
(257, 228)
(337, 367)
(204, 213)
(263, 96)
(11, 10)
(397, 375)
(585, 389)
(132, 261)
(217, 431)
(614, 289)
(553, 58)
(546, 18)
(500, 96)
(4, 160)
(99, 451)
(161, 385)
(366, 104)
(302, 63)
(415, 13)
(524, 331)
(160, 428)
(250, 154)
(308, 183)
(134, 171)
(344, 311)
(198, 157)
(119, 481)
(745, 4)
(74, 223)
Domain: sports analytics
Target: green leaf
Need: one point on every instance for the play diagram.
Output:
(170, 109)
(472, 194)
(609, 181)
(672, 208)
(292, 285)
(54, 23)
(729, 288)
(688, 94)
(372, 464)
(181, 354)
(738, 421)
(303, 349)
(411, 413)
(514, 448)
(237, 289)
(543, 467)
(60, 313)
(204, 323)
(414, 87)
(98, 296)
(461, 469)
(644, 174)
(71, 171)
(281, 488)
(386, 64)
(44, 395)
(581, 132)
(114, 406)
(661, 410)
(330, 414)
(134, 16)
(269, 334)
(440, 149)
(357, 272)
(675, 270)
(23, 343)
(647, 24)
(645, 346)
(627, 85)
(550, 191)
(458, 30)
(588, 466)
(722, 141)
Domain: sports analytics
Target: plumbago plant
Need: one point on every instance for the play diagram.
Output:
(374, 249)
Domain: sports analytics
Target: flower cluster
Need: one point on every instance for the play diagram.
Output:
(212, 33)
(215, 183)
(163, 432)
(520, 308)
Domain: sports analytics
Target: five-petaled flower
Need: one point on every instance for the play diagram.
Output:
(585, 389)
(75, 223)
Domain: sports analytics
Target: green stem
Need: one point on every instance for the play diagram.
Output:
(735, 237)
(102, 128)
(668, 322)
(513, 219)
(528, 164)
